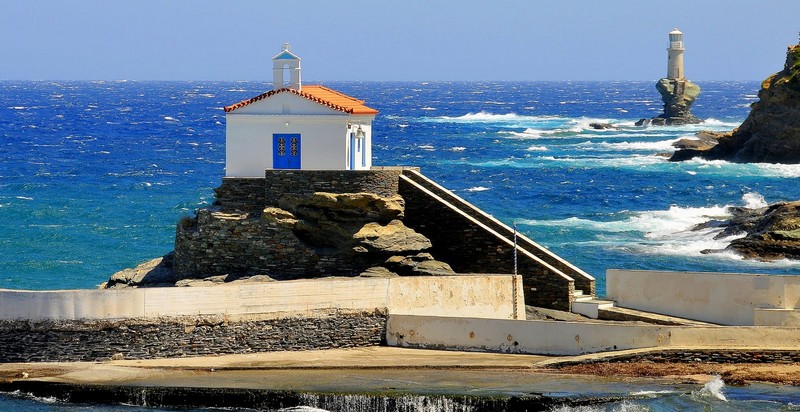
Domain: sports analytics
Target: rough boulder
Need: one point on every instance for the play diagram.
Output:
(770, 233)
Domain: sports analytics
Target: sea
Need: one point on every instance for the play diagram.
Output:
(94, 175)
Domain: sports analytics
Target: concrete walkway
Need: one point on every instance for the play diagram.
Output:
(358, 370)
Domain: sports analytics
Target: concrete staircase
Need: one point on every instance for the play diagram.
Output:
(601, 309)
(588, 305)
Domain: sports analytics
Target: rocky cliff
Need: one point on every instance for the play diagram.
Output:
(771, 133)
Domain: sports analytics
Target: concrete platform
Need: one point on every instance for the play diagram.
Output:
(308, 377)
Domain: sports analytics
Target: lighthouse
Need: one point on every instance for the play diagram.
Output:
(677, 92)
(675, 55)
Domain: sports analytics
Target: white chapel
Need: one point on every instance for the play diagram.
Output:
(297, 126)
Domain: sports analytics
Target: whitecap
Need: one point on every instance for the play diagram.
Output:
(428, 108)
(24, 198)
(478, 189)
(753, 200)
(715, 122)
(484, 116)
(669, 232)
(537, 149)
(426, 147)
(458, 149)
(660, 145)
(713, 389)
(748, 169)
(170, 119)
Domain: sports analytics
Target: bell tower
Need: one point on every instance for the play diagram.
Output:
(675, 55)
(286, 61)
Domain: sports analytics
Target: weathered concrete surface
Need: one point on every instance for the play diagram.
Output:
(496, 296)
(573, 338)
(722, 298)
(378, 371)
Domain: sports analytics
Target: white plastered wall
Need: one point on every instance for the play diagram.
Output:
(478, 296)
(722, 298)
(324, 140)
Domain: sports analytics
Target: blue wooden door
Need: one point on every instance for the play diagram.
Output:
(286, 151)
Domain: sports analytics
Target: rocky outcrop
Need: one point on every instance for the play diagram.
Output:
(678, 96)
(771, 233)
(156, 272)
(322, 234)
(690, 147)
(775, 234)
(771, 132)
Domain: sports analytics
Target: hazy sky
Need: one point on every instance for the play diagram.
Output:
(393, 40)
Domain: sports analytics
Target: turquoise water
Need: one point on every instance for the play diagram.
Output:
(94, 175)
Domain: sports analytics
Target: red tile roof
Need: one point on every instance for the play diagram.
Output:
(316, 93)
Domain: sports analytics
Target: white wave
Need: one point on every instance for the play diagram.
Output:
(614, 162)
(428, 108)
(483, 116)
(660, 145)
(17, 107)
(713, 389)
(478, 189)
(458, 148)
(170, 119)
(753, 200)
(24, 198)
(583, 123)
(426, 147)
(537, 149)
(669, 232)
(748, 169)
(528, 133)
(714, 122)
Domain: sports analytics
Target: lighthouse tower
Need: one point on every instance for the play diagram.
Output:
(677, 92)
(675, 55)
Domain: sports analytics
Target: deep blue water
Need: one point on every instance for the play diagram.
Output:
(94, 175)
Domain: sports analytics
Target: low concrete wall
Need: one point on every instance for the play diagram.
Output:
(572, 338)
(465, 295)
(537, 337)
(723, 298)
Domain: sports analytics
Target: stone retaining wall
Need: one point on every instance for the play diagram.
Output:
(304, 183)
(62, 341)
(242, 243)
(241, 193)
(699, 355)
